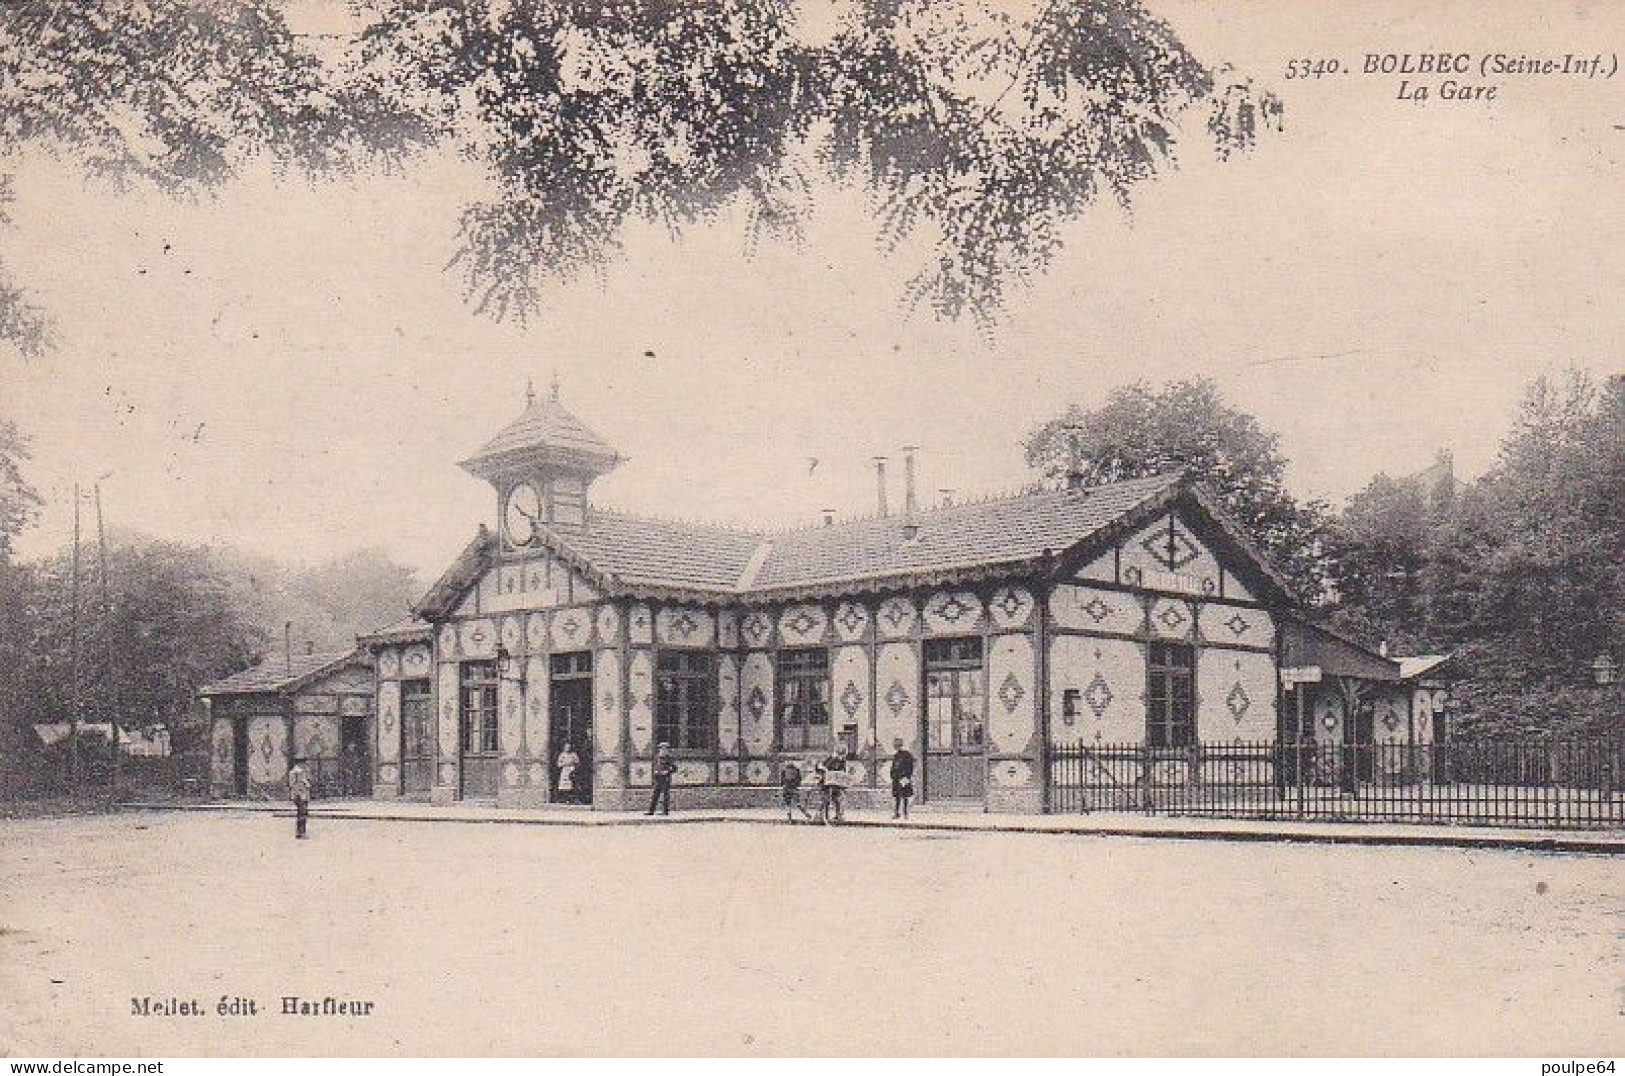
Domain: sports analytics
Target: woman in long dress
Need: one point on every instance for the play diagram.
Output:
(568, 760)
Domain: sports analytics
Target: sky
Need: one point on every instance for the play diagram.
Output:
(288, 368)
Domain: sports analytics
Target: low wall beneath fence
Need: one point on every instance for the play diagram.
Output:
(1550, 784)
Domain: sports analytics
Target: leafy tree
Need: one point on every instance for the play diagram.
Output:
(327, 604)
(1552, 583)
(981, 131)
(1140, 431)
(178, 616)
(18, 499)
(1521, 575)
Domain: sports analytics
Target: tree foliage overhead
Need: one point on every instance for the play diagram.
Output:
(1186, 425)
(988, 131)
(981, 131)
(178, 94)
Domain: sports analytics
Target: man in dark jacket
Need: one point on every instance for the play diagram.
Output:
(902, 778)
(833, 774)
(664, 769)
(299, 789)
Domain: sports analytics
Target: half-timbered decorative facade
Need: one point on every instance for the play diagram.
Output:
(315, 705)
(976, 633)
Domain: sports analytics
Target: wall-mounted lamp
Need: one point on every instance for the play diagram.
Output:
(509, 667)
(1604, 670)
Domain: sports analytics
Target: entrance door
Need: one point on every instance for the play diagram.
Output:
(1359, 739)
(417, 737)
(570, 723)
(239, 756)
(355, 762)
(955, 720)
(478, 696)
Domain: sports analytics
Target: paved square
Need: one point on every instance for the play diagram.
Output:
(731, 938)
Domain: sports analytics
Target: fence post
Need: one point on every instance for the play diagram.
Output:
(1145, 777)
(1298, 774)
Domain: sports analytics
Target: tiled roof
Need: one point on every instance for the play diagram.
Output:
(658, 552)
(1305, 644)
(627, 552)
(544, 426)
(1412, 667)
(280, 673)
(407, 628)
(1017, 528)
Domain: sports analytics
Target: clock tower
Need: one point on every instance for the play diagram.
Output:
(541, 465)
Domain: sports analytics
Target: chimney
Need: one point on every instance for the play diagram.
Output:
(880, 478)
(911, 508)
(910, 502)
(1383, 649)
(1074, 459)
(829, 517)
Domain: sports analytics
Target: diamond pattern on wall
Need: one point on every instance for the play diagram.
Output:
(267, 748)
(803, 622)
(851, 619)
(1011, 693)
(1237, 624)
(1390, 720)
(851, 699)
(953, 610)
(755, 628)
(1096, 609)
(1172, 549)
(897, 614)
(1098, 695)
(1237, 702)
(1173, 617)
(685, 625)
(896, 698)
(756, 703)
(1011, 603)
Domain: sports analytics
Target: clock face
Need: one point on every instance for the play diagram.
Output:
(521, 514)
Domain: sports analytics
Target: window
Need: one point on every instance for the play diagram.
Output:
(685, 717)
(573, 665)
(803, 699)
(479, 691)
(417, 719)
(953, 694)
(1171, 706)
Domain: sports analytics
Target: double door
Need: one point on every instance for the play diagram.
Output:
(955, 720)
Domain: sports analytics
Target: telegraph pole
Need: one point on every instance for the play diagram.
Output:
(107, 638)
(73, 654)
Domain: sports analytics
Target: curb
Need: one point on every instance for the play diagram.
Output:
(1577, 844)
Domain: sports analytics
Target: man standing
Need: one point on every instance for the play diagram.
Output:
(833, 773)
(664, 768)
(299, 788)
(902, 778)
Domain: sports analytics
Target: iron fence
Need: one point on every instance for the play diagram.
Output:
(1551, 784)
